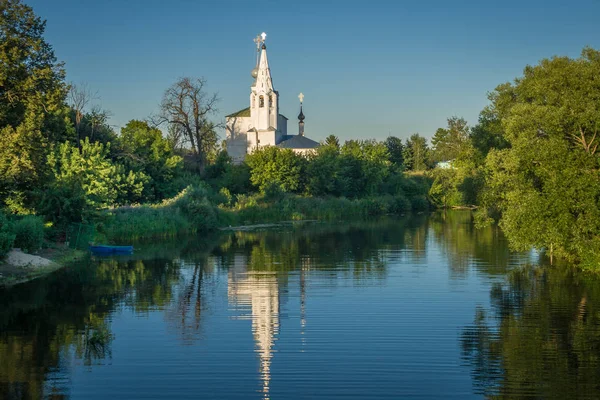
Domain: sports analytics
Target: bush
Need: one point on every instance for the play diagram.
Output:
(420, 203)
(202, 215)
(6, 243)
(7, 237)
(29, 233)
(400, 205)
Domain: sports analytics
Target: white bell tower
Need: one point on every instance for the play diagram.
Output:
(264, 99)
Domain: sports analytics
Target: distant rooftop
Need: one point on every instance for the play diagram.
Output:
(245, 113)
(242, 113)
(297, 142)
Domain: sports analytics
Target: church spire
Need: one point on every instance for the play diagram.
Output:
(264, 99)
(301, 116)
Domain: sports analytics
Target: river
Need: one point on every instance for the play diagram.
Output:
(423, 307)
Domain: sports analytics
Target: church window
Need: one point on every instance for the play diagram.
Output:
(261, 101)
(271, 101)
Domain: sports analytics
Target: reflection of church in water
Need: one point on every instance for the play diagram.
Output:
(259, 291)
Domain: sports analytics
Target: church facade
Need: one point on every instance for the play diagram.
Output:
(261, 124)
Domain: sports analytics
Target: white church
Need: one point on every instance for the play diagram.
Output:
(261, 124)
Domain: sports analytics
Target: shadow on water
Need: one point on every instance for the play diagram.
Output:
(538, 336)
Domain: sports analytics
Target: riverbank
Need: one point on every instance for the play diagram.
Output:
(19, 267)
(197, 210)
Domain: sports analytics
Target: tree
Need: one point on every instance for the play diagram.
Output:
(79, 98)
(488, 134)
(333, 141)
(546, 184)
(143, 149)
(395, 149)
(88, 170)
(32, 111)
(274, 166)
(448, 143)
(416, 153)
(187, 107)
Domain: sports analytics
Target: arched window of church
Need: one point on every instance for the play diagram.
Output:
(261, 101)
(270, 100)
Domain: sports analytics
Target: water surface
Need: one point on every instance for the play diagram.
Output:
(418, 307)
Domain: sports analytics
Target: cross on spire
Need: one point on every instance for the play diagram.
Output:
(301, 97)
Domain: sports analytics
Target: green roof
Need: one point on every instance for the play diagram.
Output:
(242, 113)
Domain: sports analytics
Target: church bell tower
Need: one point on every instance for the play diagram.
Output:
(264, 99)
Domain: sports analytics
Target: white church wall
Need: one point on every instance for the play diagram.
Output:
(237, 125)
(237, 148)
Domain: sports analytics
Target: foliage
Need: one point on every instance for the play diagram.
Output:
(7, 236)
(32, 112)
(29, 233)
(448, 143)
(395, 150)
(416, 155)
(91, 173)
(332, 141)
(186, 108)
(272, 165)
(143, 149)
(546, 184)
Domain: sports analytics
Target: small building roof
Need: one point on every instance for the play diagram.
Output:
(242, 113)
(297, 142)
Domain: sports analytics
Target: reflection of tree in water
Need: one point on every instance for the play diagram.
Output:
(185, 311)
(541, 338)
(66, 315)
(466, 247)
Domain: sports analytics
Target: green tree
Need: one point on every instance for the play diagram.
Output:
(448, 143)
(91, 173)
(143, 149)
(546, 184)
(416, 154)
(333, 141)
(395, 150)
(274, 166)
(32, 110)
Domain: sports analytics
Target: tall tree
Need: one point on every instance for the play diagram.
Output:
(448, 143)
(79, 98)
(546, 183)
(333, 141)
(187, 107)
(32, 110)
(417, 153)
(395, 150)
(144, 149)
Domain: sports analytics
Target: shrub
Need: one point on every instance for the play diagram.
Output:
(7, 237)
(6, 243)
(202, 215)
(29, 233)
(400, 205)
(420, 203)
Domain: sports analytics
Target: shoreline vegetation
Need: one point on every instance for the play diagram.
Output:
(529, 165)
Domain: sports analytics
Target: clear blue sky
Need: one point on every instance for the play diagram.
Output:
(367, 68)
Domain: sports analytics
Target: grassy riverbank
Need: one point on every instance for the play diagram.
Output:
(197, 209)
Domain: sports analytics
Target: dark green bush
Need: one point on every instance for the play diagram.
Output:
(7, 237)
(29, 233)
(201, 214)
(400, 205)
(420, 203)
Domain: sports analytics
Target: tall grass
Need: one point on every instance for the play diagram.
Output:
(198, 209)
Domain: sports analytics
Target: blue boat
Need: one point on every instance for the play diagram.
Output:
(107, 249)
